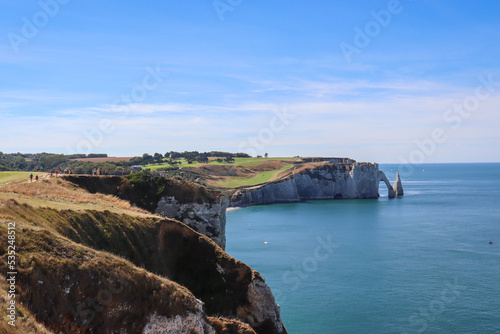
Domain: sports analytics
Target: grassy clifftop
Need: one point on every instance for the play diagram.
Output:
(143, 190)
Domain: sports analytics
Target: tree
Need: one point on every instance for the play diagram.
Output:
(203, 159)
(20, 162)
(229, 160)
(173, 162)
(266, 155)
(158, 156)
(175, 155)
(147, 158)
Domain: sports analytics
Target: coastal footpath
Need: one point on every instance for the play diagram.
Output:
(355, 180)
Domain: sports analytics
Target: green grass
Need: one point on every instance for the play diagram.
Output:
(237, 162)
(258, 179)
(10, 177)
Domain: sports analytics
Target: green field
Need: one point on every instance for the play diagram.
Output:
(11, 177)
(258, 179)
(237, 162)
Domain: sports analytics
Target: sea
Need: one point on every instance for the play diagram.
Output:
(421, 263)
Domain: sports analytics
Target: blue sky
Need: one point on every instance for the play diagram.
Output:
(128, 77)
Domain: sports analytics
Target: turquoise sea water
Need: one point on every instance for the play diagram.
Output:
(417, 264)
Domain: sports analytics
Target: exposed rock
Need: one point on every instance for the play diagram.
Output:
(207, 218)
(330, 181)
(398, 187)
(262, 312)
(230, 326)
(192, 323)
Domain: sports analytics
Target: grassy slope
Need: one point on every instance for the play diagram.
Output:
(258, 179)
(60, 194)
(54, 240)
(164, 247)
(16, 177)
(52, 268)
(232, 182)
(237, 162)
(25, 321)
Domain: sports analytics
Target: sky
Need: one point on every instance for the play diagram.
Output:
(378, 81)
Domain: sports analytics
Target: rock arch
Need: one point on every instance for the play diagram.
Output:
(382, 177)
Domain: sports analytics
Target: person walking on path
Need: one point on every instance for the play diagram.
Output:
(36, 178)
(31, 177)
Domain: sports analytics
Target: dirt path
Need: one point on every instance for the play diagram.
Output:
(40, 177)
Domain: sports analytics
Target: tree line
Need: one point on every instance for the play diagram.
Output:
(172, 158)
(50, 161)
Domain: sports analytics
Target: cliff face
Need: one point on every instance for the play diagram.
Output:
(330, 181)
(207, 218)
(177, 280)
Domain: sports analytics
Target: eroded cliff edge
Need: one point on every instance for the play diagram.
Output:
(327, 181)
(124, 270)
(194, 205)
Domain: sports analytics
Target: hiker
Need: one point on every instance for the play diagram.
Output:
(31, 177)
(51, 173)
(36, 178)
(57, 172)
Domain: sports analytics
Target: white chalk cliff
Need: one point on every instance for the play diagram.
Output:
(207, 218)
(398, 186)
(329, 181)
